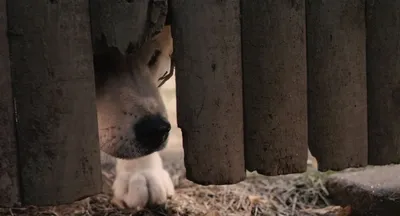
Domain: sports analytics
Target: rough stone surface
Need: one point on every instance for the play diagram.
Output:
(371, 191)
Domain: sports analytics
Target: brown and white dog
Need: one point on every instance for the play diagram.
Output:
(133, 123)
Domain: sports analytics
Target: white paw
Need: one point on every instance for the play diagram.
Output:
(135, 190)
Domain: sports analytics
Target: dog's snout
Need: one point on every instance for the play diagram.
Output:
(152, 131)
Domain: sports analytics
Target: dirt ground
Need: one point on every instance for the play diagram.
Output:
(300, 194)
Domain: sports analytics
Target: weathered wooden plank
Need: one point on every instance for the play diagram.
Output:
(9, 190)
(207, 52)
(53, 81)
(383, 75)
(337, 96)
(275, 87)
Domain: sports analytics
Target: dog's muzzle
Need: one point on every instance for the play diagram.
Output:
(152, 131)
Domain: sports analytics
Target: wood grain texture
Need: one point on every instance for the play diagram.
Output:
(207, 52)
(383, 75)
(9, 188)
(337, 84)
(53, 81)
(275, 86)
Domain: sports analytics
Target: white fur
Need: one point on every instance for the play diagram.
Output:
(140, 182)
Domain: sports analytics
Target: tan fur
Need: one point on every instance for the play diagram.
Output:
(130, 95)
(122, 100)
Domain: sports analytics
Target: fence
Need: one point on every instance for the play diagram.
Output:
(306, 68)
(258, 82)
(50, 153)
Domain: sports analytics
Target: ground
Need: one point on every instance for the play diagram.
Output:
(301, 194)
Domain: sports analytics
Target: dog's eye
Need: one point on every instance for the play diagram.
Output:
(154, 58)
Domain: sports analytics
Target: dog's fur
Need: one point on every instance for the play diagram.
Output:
(127, 92)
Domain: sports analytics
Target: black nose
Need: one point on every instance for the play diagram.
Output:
(152, 131)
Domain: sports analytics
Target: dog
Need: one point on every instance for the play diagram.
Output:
(133, 122)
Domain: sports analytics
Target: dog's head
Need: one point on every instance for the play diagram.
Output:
(131, 115)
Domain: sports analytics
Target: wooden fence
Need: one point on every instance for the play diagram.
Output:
(50, 153)
(258, 82)
(281, 76)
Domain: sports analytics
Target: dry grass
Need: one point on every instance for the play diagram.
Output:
(259, 196)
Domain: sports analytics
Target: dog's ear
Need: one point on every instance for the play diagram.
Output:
(164, 39)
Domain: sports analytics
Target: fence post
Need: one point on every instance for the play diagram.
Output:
(337, 96)
(275, 87)
(53, 83)
(383, 65)
(9, 191)
(207, 52)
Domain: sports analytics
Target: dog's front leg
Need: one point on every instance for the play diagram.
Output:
(140, 182)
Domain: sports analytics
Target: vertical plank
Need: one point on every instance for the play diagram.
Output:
(9, 191)
(383, 75)
(337, 99)
(53, 81)
(207, 52)
(275, 92)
